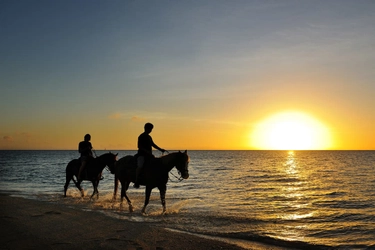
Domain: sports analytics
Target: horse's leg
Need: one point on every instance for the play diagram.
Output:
(131, 208)
(95, 184)
(115, 189)
(68, 178)
(97, 190)
(78, 185)
(124, 188)
(122, 195)
(163, 191)
(147, 198)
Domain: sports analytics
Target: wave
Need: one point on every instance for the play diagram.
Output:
(247, 240)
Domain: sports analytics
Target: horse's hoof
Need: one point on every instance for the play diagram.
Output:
(131, 209)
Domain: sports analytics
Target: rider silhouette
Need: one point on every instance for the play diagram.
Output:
(85, 148)
(145, 144)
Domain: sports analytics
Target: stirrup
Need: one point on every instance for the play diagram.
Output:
(136, 185)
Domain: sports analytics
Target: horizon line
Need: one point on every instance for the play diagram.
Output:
(195, 150)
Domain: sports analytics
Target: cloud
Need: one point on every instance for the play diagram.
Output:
(19, 136)
(116, 116)
(8, 138)
(137, 119)
(25, 135)
(133, 117)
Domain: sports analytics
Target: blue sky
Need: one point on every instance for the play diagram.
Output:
(68, 67)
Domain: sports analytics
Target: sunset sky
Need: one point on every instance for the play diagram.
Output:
(241, 74)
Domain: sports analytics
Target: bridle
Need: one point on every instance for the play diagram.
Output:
(179, 179)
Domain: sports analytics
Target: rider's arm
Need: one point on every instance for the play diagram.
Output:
(157, 147)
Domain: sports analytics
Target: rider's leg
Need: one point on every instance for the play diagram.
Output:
(140, 162)
(83, 164)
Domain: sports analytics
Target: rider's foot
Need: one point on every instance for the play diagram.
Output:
(136, 185)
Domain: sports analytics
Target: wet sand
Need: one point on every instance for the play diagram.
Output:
(32, 224)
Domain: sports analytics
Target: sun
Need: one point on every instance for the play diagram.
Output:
(290, 131)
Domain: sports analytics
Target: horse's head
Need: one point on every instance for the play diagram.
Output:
(182, 164)
(110, 160)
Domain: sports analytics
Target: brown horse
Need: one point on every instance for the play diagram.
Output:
(154, 174)
(92, 171)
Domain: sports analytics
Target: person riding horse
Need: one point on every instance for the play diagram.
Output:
(152, 177)
(85, 149)
(144, 155)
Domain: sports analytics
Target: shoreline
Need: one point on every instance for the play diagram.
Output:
(31, 224)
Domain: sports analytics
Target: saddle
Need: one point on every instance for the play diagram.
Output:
(89, 163)
(150, 163)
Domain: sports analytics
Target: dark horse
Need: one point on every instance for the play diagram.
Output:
(92, 171)
(154, 174)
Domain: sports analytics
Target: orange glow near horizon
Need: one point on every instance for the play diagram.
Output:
(291, 131)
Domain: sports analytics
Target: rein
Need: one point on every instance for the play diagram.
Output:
(179, 179)
(100, 160)
(94, 153)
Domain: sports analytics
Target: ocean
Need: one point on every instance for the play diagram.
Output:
(294, 199)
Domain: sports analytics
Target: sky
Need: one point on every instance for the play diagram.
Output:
(209, 74)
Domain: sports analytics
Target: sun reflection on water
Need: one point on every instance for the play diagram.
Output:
(296, 208)
(290, 164)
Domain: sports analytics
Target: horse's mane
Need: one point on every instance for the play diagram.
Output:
(179, 154)
(173, 153)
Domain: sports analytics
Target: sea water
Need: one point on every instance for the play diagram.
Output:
(297, 199)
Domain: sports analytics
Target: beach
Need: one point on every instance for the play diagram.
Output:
(33, 224)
